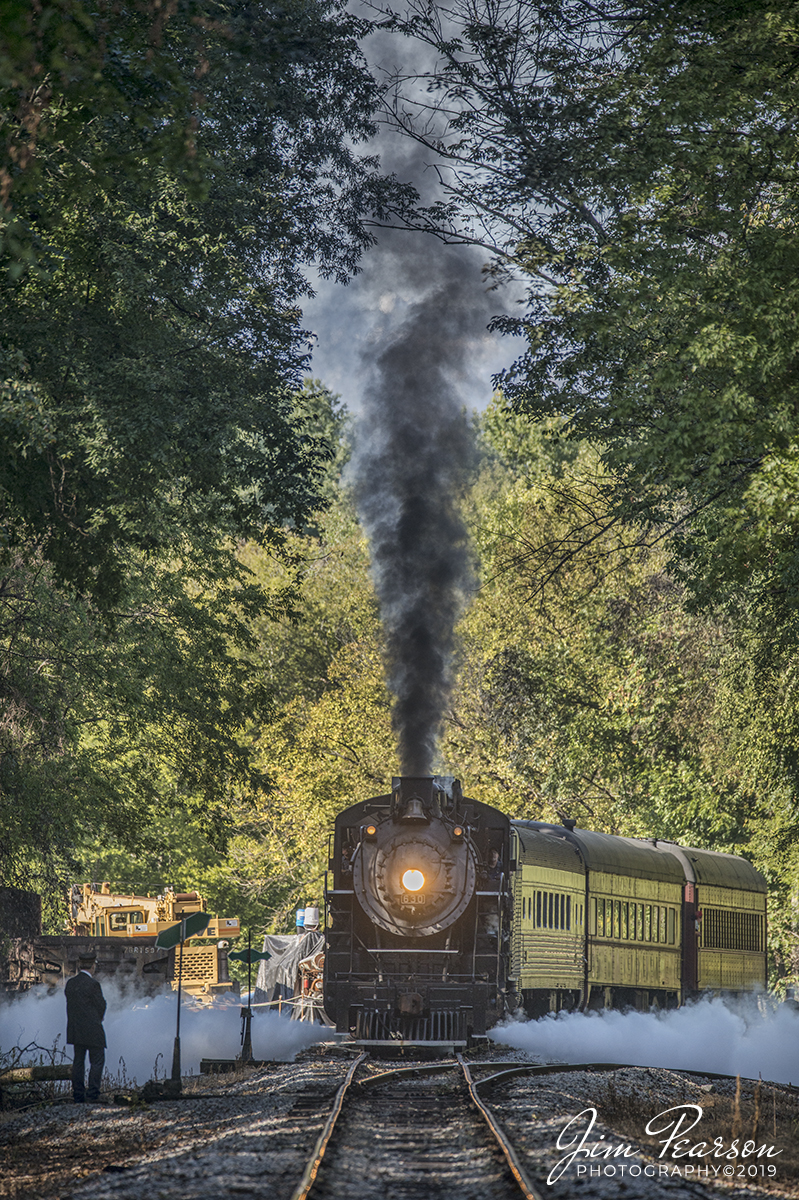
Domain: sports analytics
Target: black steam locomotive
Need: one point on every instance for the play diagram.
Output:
(446, 916)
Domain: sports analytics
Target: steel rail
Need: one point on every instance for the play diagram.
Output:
(508, 1069)
(309, 1174)
(565, 1068)
(545, 1069)
(513, 1161)
(408, 1072)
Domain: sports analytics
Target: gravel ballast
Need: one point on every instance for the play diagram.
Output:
(250, 1136)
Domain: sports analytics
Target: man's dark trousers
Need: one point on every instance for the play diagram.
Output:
(96, 1063)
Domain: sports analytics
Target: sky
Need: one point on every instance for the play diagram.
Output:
(350, 323)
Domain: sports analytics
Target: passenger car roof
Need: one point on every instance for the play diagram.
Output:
(711, 868)
(599, 852)
(567, 849)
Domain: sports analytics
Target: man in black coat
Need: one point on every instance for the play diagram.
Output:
(85, 1012)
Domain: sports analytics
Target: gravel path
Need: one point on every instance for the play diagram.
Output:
(616, 1109)
(247, 1140)
(250, 1138)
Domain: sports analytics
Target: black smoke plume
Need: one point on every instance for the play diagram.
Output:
(414, 446)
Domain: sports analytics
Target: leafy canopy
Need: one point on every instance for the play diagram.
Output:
(169, 176)
(635, 168)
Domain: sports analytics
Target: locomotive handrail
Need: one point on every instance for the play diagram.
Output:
(405, 950)
(365, 948)
(500, 894)
(501, 891)
(423, 977)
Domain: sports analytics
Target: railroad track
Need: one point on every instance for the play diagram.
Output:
(413, 1132)
(326, 1128)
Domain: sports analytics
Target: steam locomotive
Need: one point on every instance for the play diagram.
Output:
(444, 916)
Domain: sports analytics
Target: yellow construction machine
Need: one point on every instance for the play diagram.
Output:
(97, 912)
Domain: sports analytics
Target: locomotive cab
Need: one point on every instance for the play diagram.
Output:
(418, 916)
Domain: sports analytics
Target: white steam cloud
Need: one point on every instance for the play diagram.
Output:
(711, 1035)
(140, 1031)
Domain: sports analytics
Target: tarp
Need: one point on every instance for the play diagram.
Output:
(277, 978)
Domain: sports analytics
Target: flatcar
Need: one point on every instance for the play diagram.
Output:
(444, 916)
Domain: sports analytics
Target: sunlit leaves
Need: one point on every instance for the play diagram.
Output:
(584, 686)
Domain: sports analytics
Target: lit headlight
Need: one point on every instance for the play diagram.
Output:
(413, 881)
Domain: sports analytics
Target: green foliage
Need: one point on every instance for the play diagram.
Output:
(176, 851)
(638, 168)
(168, 175)
(149, 359)
(101, 94)
(321, 737)
(324, 419)
(66, 65)
(330, 742)
(106, 723)
(584, 694)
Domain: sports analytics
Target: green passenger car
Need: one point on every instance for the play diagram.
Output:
(602, 921)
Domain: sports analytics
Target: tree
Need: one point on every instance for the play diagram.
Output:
(157, 233)
(150, 357)
(103, 93)
(309, 708)
(636, 165)
(329, 741)
(593, 697)
(110, 725)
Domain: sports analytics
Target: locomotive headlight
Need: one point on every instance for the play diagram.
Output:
(413, 880)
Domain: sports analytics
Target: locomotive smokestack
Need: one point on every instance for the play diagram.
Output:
(414, 445)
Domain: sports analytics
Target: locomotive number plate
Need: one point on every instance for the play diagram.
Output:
(412, 899)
